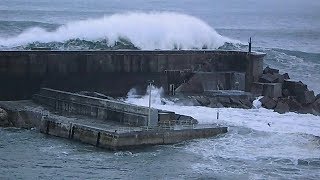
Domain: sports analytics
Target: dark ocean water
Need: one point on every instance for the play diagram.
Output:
(287, 30)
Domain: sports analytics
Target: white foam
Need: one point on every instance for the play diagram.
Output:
(154, 30)
(257, 118)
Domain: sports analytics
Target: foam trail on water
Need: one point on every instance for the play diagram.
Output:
(154, 30)
(257, 118)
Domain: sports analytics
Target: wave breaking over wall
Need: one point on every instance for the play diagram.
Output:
(147, 31)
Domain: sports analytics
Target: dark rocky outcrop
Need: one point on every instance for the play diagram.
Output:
(295, 88)
(286, 76)
(4, 121)
(282, 107)
(306, 97)
(269, 70)
(295, 95)
(203, 101)
(294, 105)
(268, 102)
(215, 101)
(285, 93)
(268, 78)
(316, 105)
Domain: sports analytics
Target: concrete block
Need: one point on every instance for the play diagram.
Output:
(268, 89)
(272, 90)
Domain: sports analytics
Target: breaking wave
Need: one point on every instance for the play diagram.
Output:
(154, 30)
(256, 118)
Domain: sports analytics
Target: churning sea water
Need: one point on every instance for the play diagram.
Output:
(287, 30)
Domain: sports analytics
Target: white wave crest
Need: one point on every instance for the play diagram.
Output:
(154, 30)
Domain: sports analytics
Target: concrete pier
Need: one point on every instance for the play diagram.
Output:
(111, 135)
(126, 137)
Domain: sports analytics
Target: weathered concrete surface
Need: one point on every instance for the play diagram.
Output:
(117, 140)
(23, 73)
(109, 110)
(273, 90)
(202, 82)
(104, 134)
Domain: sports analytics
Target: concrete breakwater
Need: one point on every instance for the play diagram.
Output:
(114, 73)
(206, 77)
(104, 123)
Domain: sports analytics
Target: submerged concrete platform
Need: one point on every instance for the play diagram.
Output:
(105, 134)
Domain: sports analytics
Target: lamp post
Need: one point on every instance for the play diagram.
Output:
(149, 114)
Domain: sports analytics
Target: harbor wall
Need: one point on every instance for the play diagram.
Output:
(107, 110)
(119, 141)
(23, 73)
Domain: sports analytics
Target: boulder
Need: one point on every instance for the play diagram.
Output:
(240, 103)
(269, 70)
(306, 97)
(4, 121)
(225, 101)
(318, 97)
(264, 99)
(268, 102)
(308, 109)
(294, 105)
(282, 107)
(236, 103)
(247, 103)
(203, 101)
(294, 87)
(213, 100)
(215, 105)
(280, 78)
(190, 88)
(285, 93)
(188, 102)
(268, 78)
(286, 76)
(316, 105)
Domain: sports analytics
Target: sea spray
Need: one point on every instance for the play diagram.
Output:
(156, 96)
(256, 118)
(154, 30)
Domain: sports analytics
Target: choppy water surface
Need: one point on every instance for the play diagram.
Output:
(288, 31)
